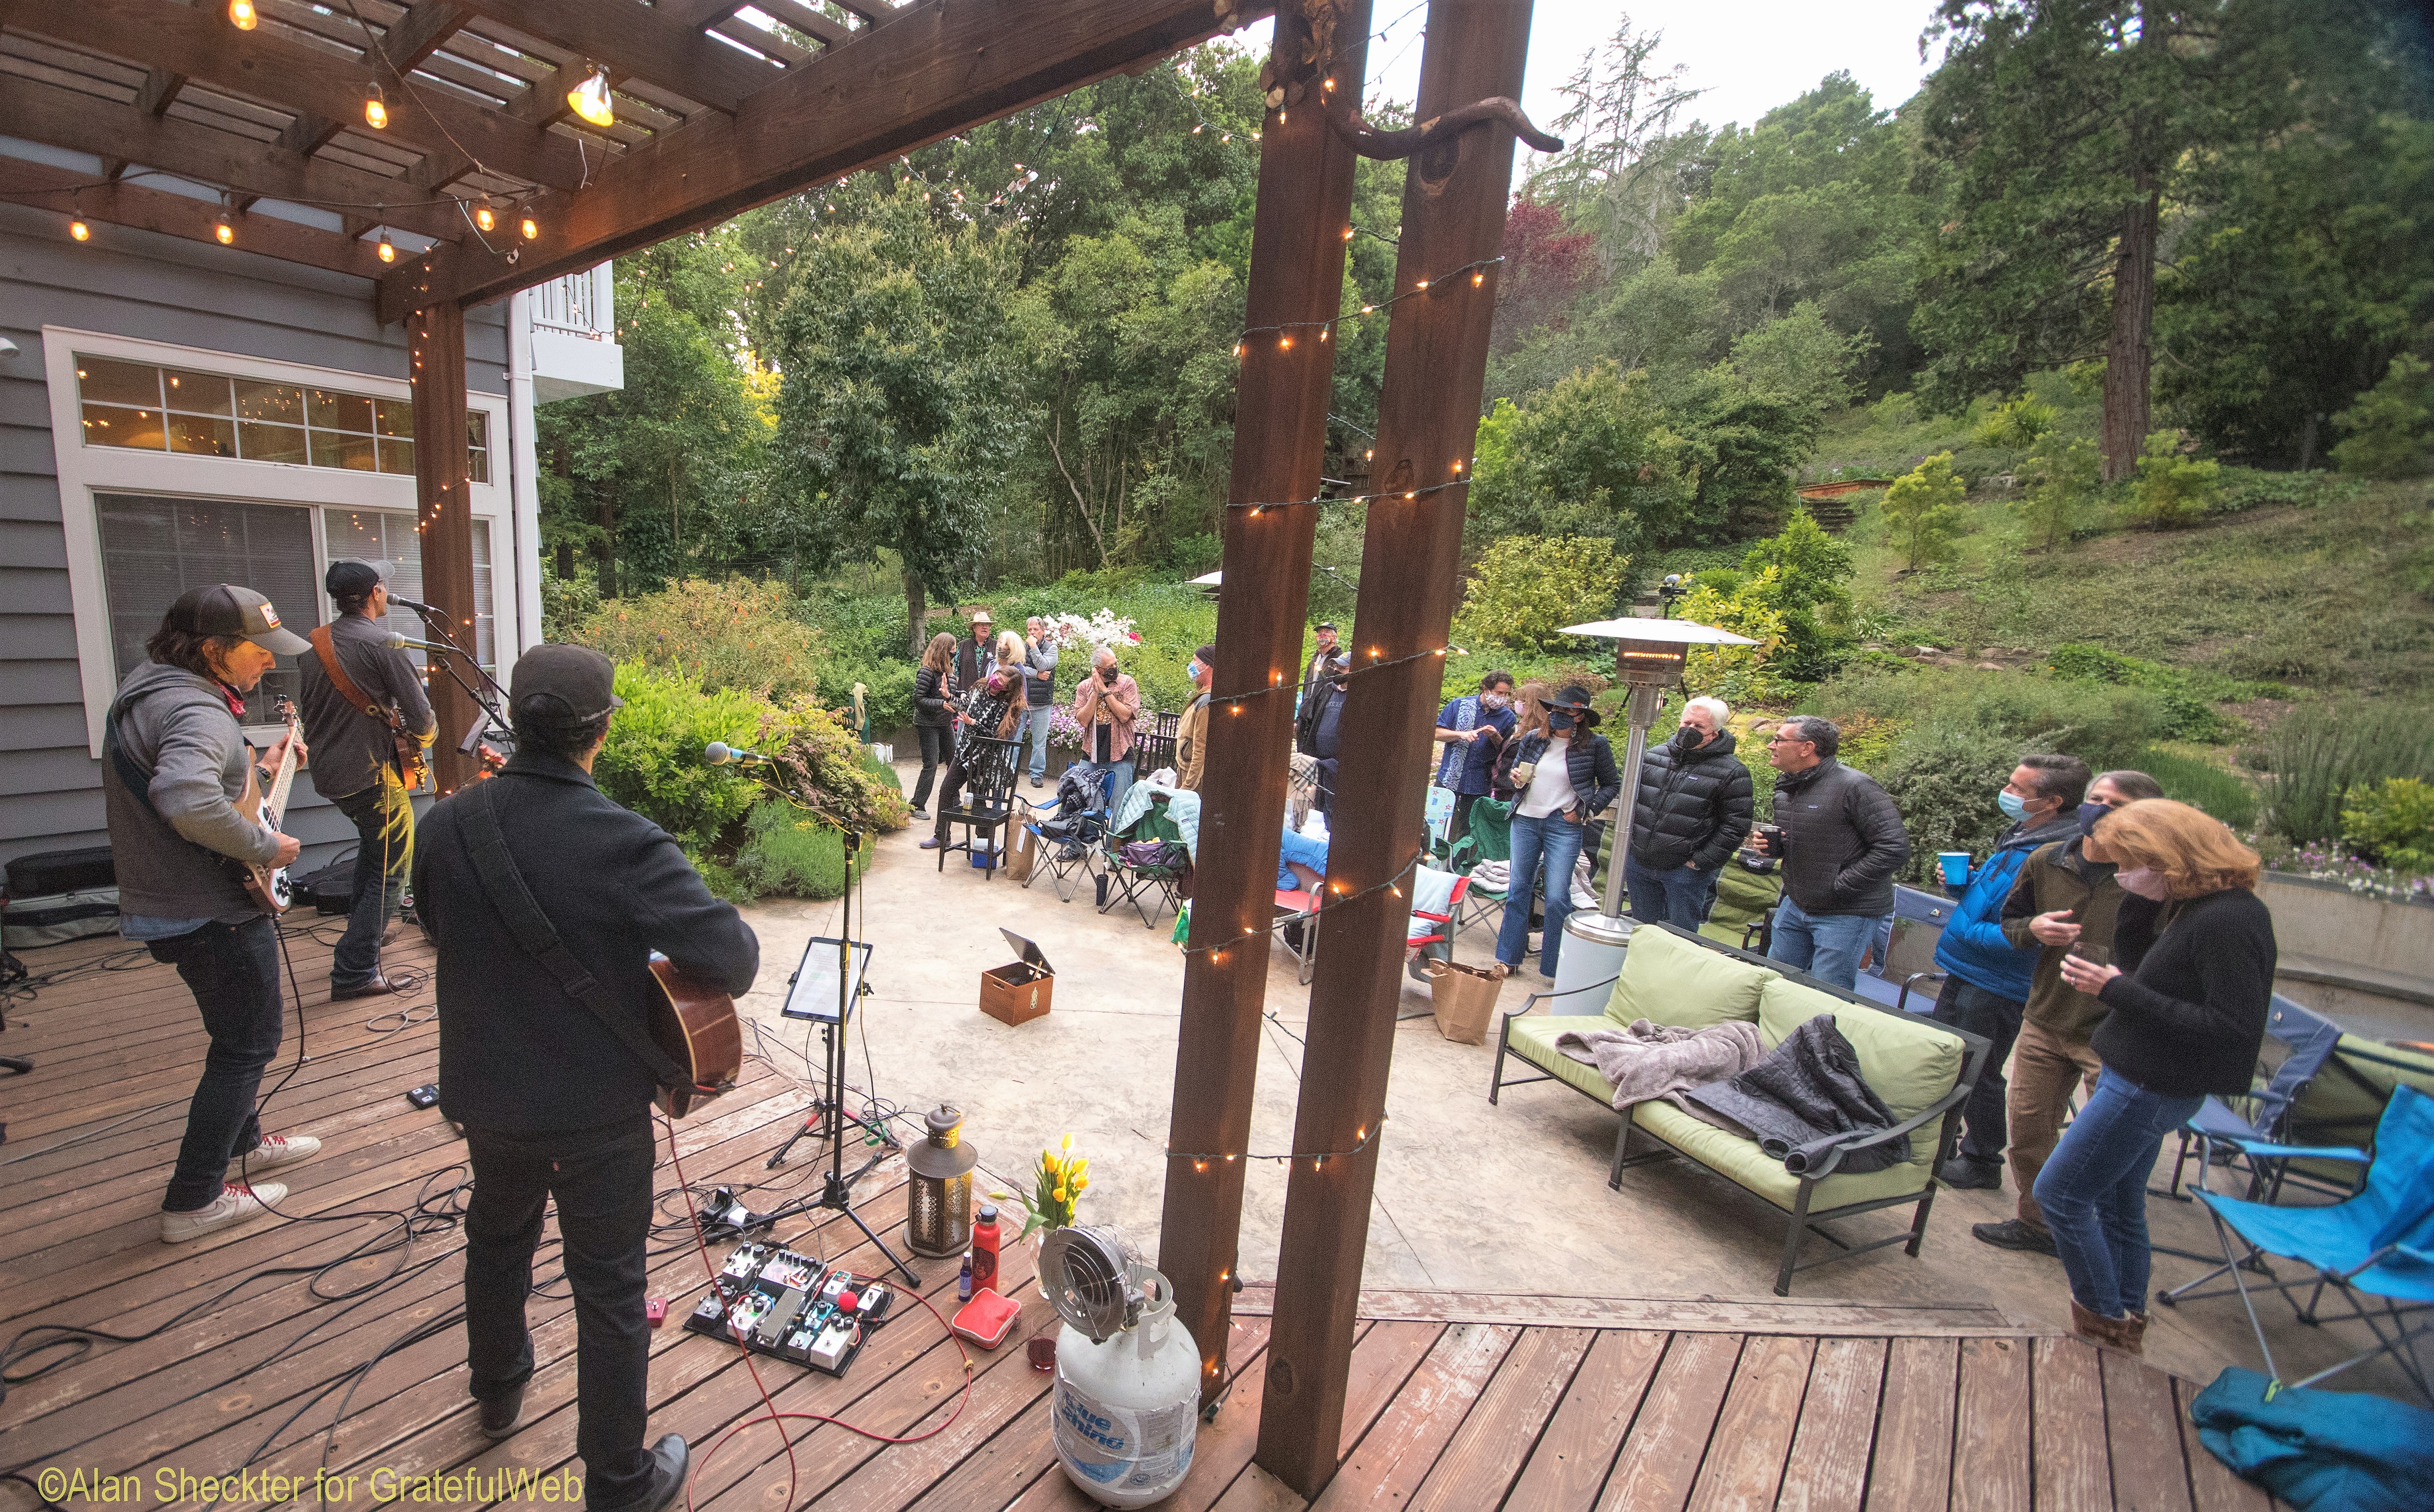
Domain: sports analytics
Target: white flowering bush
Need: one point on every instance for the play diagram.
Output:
(1104, 628)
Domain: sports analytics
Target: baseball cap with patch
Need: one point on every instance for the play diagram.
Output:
(576, 679)
(226, 609)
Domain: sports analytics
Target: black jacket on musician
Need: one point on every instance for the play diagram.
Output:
(517, 1054)
(1693, 805)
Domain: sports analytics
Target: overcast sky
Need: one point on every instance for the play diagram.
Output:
(1748, 57)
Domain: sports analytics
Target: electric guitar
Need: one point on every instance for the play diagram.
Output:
(696, 1028)
(269, 885)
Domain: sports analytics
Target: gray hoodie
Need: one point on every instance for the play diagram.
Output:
(177, 726)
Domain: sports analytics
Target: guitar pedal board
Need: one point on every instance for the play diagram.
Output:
(792, 1307)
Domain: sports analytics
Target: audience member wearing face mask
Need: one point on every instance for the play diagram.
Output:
(1562, 777)
(1473, 730)
(2187, 994)
(1692, 811)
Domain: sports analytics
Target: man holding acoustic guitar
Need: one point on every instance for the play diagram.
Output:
(368, 719)
(559, 1023)
(194, 856)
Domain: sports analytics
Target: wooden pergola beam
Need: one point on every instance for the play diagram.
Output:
(300, 78)
(642, 40)
(65, 118)
(422, 30)
(67, 193)
(939, 69)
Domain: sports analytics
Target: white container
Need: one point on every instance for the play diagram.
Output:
(1592, 955)
(1127, 1411)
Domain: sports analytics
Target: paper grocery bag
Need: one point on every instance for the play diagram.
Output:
(1465, 998)
(1022, 845)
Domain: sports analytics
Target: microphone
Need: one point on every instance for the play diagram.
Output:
(412, 605)
(718, 754)
(399, 641)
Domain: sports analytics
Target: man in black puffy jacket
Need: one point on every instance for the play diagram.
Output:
(1842, 842)
(1693, 809)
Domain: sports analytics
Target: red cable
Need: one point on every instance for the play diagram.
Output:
(770, 1413)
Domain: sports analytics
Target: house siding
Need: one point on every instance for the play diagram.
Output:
(154, 288)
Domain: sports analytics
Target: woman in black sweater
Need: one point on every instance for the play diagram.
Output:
(934, 715)
(2188, 988)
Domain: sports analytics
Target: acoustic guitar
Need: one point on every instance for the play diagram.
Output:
(696, 1028)
(269, 886)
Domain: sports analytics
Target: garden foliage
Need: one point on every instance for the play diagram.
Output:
(2388, 426)
(2172, 487)
(739, 634)
(1527, 587)
(1923, 509)
(2391, 824)
(2323, 753)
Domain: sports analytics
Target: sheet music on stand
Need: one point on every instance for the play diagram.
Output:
(813, 993)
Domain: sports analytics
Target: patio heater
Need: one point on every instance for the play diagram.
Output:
(1648, 657)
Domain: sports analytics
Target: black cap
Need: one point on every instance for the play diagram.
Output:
(1325, 624)
(351, 578)
(1208, 655)
(578, 679)
(226, 609)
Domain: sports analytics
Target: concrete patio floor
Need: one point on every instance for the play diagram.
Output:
(1470, 1198)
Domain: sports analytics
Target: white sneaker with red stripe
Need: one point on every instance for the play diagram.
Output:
(235, 1204)
(279, 1150)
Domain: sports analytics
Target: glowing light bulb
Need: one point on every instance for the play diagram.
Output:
(530, 228)
(384, 248)
(376, 109)
(1478, 279)
(241, 15)
(1424, 283)
(485, 217)
(81, 231)
(589, 99)
(1348, 233)
(223, 230)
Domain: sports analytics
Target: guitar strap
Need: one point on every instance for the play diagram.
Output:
(486, 848)
(327, 650)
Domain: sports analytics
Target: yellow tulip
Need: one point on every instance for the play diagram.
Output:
(1081, 1183)
(1061, 1197)
(1079, 1166)
(1069, 1141)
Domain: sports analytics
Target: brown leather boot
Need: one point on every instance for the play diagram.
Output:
(2094, 1327)
(2132, 1334)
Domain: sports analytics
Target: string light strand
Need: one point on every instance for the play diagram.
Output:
(1363, 1138)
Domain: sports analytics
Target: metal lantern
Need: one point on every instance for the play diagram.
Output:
(939, 1220)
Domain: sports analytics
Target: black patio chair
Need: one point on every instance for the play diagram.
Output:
(987, 809)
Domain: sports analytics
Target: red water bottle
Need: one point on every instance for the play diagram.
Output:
(985, 1239)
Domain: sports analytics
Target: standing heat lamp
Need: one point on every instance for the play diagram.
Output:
(938, 1222)
(1648, 659)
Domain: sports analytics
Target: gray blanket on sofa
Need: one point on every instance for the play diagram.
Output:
(1648, 1060)
(1802, 1101)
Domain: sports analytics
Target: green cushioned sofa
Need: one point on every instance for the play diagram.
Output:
(1922, 1069)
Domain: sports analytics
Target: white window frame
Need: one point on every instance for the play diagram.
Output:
(85, 471)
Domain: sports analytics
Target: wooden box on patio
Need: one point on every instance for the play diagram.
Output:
(1020, 989)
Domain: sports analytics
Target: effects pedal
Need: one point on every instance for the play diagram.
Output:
(790, 1306)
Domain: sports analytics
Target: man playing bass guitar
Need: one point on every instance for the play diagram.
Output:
(547, 900)
(175, 763)
(368, 721)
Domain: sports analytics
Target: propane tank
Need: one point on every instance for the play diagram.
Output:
(1126, 1409)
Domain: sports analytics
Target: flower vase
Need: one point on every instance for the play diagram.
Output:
(1039, 1254)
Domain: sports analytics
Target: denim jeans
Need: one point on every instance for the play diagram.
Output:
(1545, 847)
(1035, 729)
(233, 970)
(602, 1181)
(937, 744)
(1826, 947)
(384, 818)
(2093, 1191)
(1678, 896)
(1973, 1009)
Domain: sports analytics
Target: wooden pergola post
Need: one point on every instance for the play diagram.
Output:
(443, 501)
(1428, 416)
(1297, 284)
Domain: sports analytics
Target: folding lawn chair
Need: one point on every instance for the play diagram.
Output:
(1490, 840)
(1436, 899)
(2306, 1041)
(2376, 1245)
(1151, 887)
(1068, 833)
(1296, 906)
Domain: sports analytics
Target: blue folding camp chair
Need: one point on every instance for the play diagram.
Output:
(2306, 1040)
(2377, 1246)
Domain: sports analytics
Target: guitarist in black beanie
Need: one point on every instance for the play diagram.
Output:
(553, 1092)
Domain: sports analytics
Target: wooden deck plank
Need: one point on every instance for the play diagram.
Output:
(1911, 1469)
(1568, 1465)
(1660, 1459)
(2072, 1466)
(2212, 1486)
(1828, 1469)
(1672, 1315)
(1744, 1468)
(1990, 1439)
(1402, 1446)
(1479, 1465)
(2150, 1473)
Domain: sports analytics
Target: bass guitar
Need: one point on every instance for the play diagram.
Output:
(269, 885)
(696, 1028)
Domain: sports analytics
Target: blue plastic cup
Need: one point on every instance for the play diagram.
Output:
(1956, 867)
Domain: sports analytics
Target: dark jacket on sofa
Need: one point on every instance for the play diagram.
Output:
(2188, 1013)
(1804, 1099)
(1694, 806)
(1842, 839)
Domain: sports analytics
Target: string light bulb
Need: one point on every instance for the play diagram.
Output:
(589, 99)
(528, 227)
(384, 248)
(486, 217)
(242, 16)
(78, 230)
(221, 229)
(376, 109)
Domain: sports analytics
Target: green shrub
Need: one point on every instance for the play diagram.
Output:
(2322, 752)
(2182, 712)
(2245, 489)
(2172, 489)
(1527, 587)
(2388, 425)
(1922, 511)
(566, 605)
(2104, 724)
(1944, 778)
(2391, 824)
(739, 635)
(2200, 784)
(2062, 480)
(790, 853)
(2016, 426)
(653, 765)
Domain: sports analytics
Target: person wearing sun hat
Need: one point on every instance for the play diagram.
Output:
(1561, 777)
(174, 765)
